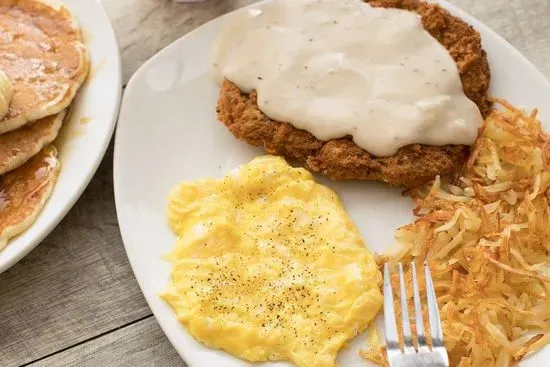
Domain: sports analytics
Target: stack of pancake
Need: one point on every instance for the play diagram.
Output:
(43, 63)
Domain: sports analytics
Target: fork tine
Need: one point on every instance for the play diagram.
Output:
(407, 335)
(390, 326)
(421, 336)
(436, 330)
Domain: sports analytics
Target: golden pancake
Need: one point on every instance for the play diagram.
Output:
(24, 191)
(6, 92)
(42, 53)
(18, 146)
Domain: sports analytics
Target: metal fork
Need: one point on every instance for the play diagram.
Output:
(409, 356)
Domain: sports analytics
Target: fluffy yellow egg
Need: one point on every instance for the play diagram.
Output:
(269, 266)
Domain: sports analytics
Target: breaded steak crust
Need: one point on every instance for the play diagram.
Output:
(341, 159)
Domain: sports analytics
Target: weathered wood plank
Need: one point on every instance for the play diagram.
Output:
(139, 344)
(75, 285)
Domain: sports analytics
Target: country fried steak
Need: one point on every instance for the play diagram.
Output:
(341, 159)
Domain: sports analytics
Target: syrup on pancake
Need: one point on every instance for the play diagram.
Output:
(18, 146)
(42, 53)
(24, 191)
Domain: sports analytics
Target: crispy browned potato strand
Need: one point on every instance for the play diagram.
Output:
(487, 240)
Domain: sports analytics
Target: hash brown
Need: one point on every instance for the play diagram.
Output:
(341, 159)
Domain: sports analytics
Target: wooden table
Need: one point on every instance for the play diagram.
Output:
(73, 301)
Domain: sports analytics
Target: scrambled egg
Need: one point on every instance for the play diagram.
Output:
(268, 265)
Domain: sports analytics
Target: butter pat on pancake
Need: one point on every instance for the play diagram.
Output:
(269, 266)
(6, 93)
(24, 192)
(42, 52)
(18, 146)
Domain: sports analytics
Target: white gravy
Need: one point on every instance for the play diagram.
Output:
(341, 67)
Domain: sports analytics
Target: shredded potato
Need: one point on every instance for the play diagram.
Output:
(486, 237)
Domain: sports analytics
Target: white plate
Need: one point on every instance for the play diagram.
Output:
(168, 132)
(86, 133)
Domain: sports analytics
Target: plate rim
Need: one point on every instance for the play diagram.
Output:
(453, 9)
(9, 261)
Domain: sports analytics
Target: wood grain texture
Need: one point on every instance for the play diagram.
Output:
(77, 287)
(139, 344)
